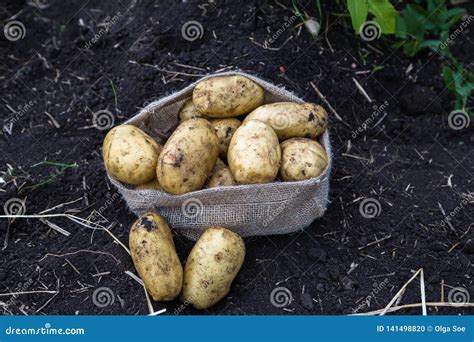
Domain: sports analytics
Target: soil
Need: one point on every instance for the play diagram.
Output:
(407, 158)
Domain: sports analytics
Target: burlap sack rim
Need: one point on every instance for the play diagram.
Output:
(148, 110)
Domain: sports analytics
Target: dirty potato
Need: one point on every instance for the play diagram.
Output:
(130, 155)
(188, 157)
(254, 153)
(154, 256)
(225, 129)
(154, 184)
(189, 111)
(291, 120)
(302, 159)
(221, 176)
(227, 96)
(211, 267)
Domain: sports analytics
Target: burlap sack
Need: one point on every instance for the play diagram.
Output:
(261, 209)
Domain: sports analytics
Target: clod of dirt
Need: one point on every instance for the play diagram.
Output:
(419, 100)
(469, 247)
(306, 300)
(348, 283)
(317, 254)
(3, 274)
(323, 275)
(320, 287)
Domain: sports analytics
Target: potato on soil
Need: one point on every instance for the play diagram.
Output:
(227, 96)
(188, 157)
(212, 265)
(225, 129)
(291, 120)
(130, 155)
(189, 111)
(154, 256)
(221, 176)
(302, 159)
(254, 153)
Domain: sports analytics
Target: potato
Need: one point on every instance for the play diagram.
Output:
(227, 96)
(221, 176)
(302, 159)
(154, 256)
(188, 157)
(254, 153)
(211, 267)
(130, 155)
(225, 129)
(154, 184)
(189, 111)
(291, 120)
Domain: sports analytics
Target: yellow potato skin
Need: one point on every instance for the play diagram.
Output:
(225, 129)
(130, 155)
(154, 256)
(254, 153)
(189, 111)
(302, 159)
(221, 176)
(227, 96)
(154, 184)
(188, 157)
(291, 120)
(212, 265)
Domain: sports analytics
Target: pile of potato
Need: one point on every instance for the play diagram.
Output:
(227, 136)
(212, 265)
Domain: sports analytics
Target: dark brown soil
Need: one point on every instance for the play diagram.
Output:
(407, 158)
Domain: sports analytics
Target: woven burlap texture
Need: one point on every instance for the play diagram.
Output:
(259, 209)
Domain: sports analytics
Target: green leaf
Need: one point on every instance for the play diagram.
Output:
(358, 10)
(448, 78)
(385, 14)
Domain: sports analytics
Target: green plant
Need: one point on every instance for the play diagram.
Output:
(384, 14)
(422, 24)
(421, 27)
(460, 82)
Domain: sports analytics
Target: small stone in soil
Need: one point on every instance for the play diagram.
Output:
(348, 283)
(320, 287)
